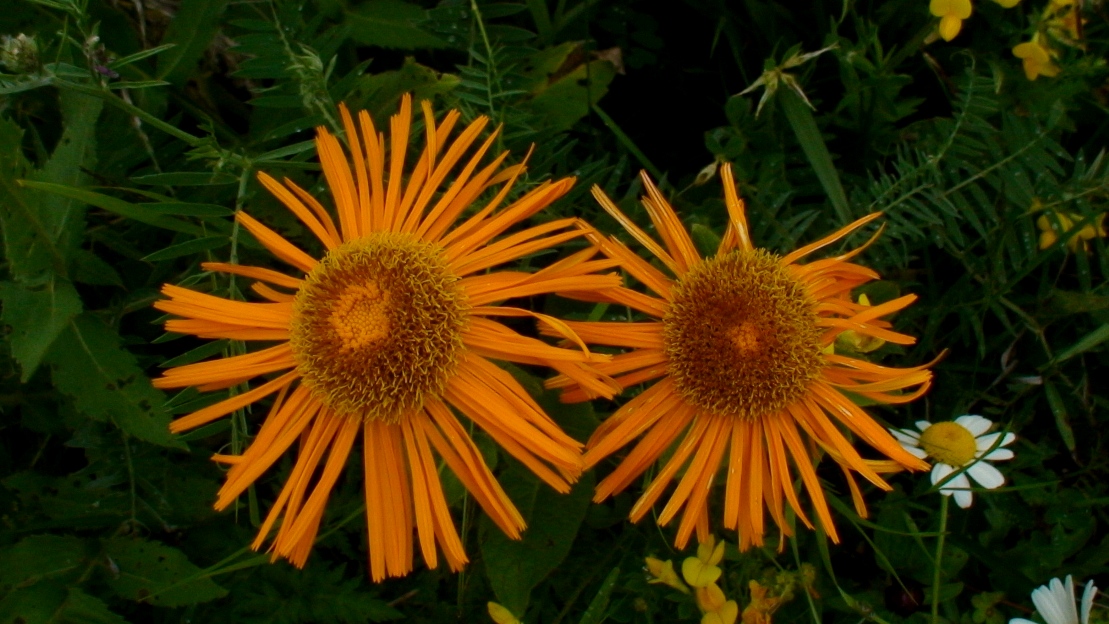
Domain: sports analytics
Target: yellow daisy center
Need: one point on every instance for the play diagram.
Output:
(950, 443)
(377, 326)
(741, 335)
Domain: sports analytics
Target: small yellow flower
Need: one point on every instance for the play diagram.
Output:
(715, 606)
(663, 572)
(699, 573)
(703, 570)
(501, 615)
(1050, 229)
(1008, 4)
(726, 615)
(1036, 58)
(1063, 21)
(762, 605)
(855, 342)
(951, 14)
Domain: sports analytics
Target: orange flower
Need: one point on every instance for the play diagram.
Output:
(738, 346)
(387, 332)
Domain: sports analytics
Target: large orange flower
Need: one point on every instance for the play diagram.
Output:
(387, 332)
(742, 347)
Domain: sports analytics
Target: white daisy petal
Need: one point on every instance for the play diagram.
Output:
(1067, 602)
(1051, 601)
(986, 475)
(963, 498)
(906, 437)
(959, 482)
(1088, 601)
(1044, 599)
(923, 425)
(999, 455)
(976, 425)
(1021, 621)
(915, 452)
(986, 442)
(940, 472)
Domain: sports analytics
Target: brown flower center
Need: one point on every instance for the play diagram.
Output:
(377, 326)
(741, 335)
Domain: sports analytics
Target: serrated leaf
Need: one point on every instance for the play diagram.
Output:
(88, 268)
(192, 29)
(105, 383)
(51, 603)
(515, 568)
(157, 574)
(37, 315)
(391, 24)
(42, 557)
(569, 96)
(378, 93)
(40, 231)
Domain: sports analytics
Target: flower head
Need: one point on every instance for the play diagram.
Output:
(662, 572)
(1051, 226)
(1055, 602)
(1036, 57)
(387, 332)
(955, 445)
(737, 345)
(951, 14)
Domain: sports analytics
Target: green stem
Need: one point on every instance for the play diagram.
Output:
(937, 564)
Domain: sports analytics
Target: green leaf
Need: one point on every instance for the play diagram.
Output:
(183, 209)
(379, 93)
(1059, 410)
(105, 383)
(88, 268)
(42, 557)
(808, 134)
(568, 95)
(41, 232)
(192, 29)
(391, 24)
(116, 205)
(1086, 343)
(37, 315)
(185, 178)
(140, 55)
(189, 248)
(138, 84)
(158, 574)
(515, 568)
(595, 613)
(51, 603)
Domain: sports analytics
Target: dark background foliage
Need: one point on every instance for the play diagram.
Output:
(135, 130)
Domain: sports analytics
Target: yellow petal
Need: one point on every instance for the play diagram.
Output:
(698, 574)
(501, 615)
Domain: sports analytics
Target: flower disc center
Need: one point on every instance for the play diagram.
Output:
(950, 443)
(377, 326)
(741, 335)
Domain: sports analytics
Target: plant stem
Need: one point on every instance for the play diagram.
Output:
(937, 567)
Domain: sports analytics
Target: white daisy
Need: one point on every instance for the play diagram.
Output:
(955, 445)
(1055, 602)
